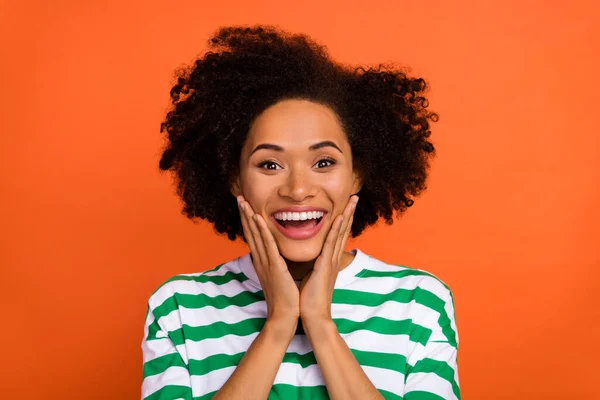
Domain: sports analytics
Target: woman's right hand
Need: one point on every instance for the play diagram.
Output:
(281, 293)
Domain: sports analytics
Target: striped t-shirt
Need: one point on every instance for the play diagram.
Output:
(399, 323)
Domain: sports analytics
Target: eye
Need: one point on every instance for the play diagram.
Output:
(329, 160)
(266, 163)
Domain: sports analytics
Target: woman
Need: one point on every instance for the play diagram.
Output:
(273, 142)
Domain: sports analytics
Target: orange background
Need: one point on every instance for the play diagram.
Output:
(510, 220)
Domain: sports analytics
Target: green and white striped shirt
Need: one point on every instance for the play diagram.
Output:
(399, 323)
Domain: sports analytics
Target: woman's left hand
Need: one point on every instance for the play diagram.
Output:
(316, 289)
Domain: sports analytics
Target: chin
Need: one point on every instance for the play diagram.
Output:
(300, 251)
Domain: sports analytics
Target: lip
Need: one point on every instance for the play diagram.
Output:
(300, 209)
(299, 234)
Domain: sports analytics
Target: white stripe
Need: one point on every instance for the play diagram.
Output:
(152, 349)
(211, 382)
(385, 379)
(379, 285)
(430, 382)
(359, 340)
(210, 289)
(219, 272)
(155, 348)
(435, 351)
(209, 315)
(294, 374)
(228, 344)
(172, 376)
(391, 310)
(149, 321)
(385, 285)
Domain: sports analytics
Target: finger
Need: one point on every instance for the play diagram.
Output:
(247, 231)
(269, 241)
(258, 243)
(347, 231)
(340, 242)
(328, 247)
(260, 246)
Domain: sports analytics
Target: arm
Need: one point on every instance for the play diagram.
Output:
(255, 374)
(166, 375)
(432, 370)
(342, 373)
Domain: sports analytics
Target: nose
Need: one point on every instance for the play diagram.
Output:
(298, 185)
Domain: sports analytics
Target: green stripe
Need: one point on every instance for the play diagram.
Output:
(418, 294)
(440, 368)
(282, 391)
(389, 395)
(420, 395)
(249, 326)
(367, 273)
(216, 330)
(171, 392)
(340, 296)
(160, 364)
(394, 362)
(214, 362)
(186, 278)
(416, 333)
(305, 360)
(195, 301)
(207, 396)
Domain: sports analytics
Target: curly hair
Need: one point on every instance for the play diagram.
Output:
(216, 99)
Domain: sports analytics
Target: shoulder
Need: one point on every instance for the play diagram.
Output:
(430, 297)
(191, 283)
(408, 278)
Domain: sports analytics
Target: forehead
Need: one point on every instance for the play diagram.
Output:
(296, 124)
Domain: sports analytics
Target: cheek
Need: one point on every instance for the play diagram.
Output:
(338, 188)
(256, 191)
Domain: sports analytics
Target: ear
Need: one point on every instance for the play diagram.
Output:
(235, 188)
(357, 181)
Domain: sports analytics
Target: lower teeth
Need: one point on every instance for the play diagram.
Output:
(310, 223)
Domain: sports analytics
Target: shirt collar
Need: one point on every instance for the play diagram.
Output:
(345, 276)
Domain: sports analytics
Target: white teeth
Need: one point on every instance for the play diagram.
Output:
(298, 216)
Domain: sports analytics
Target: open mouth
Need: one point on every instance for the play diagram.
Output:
(299, 230)
(305, 224)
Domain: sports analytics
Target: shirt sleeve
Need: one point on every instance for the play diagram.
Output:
(432, 370)
(166, 375)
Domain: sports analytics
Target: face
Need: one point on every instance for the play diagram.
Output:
(295, 175)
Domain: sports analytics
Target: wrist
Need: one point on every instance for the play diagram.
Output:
(280, 330)
(319, 329)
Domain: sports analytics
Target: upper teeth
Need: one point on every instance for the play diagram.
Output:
(298, 216)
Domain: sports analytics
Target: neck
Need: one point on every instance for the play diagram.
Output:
(299, 269)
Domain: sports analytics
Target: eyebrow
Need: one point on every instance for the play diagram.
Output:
(316, 146)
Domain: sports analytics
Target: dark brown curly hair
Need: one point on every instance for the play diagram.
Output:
(215, 101)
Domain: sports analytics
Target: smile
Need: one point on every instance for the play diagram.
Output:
(299, 230)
